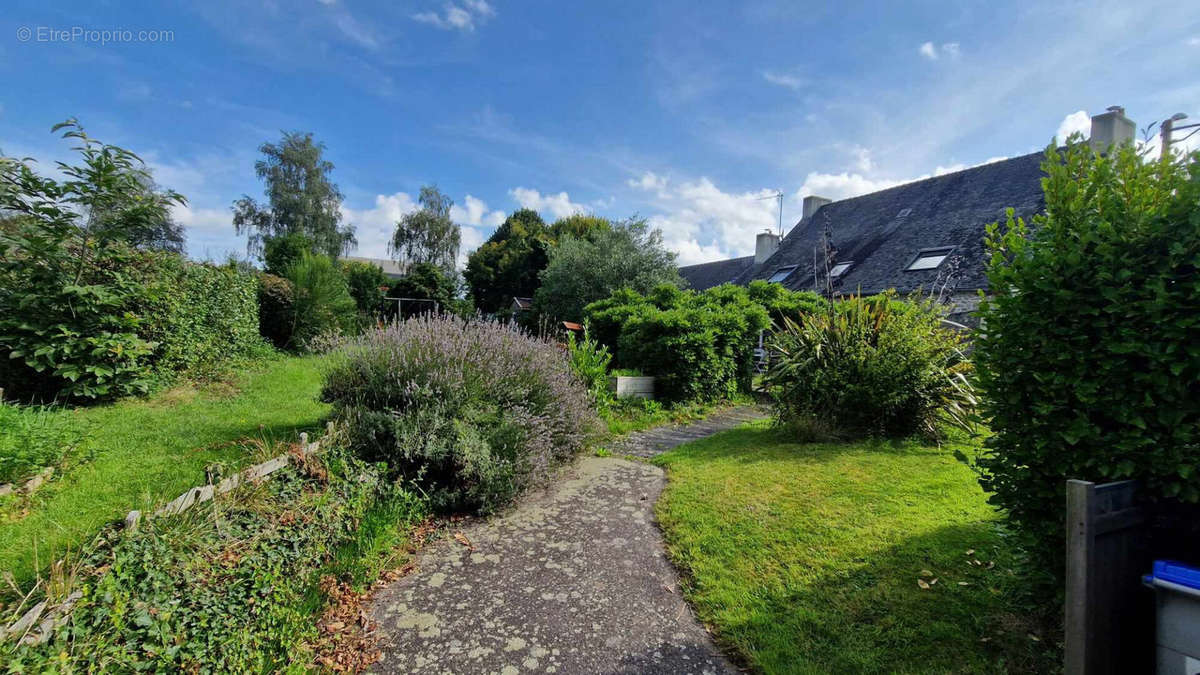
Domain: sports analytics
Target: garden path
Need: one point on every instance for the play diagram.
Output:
(573, 579)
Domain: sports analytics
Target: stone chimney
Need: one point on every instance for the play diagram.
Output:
(1111, 128)
(811, 204)
(764, 245)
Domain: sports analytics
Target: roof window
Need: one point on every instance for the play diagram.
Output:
(840, 269)
(929, 259)
(782, 273)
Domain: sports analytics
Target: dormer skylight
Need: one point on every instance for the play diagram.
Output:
(840, 269)
(929, 259)
(782, 273)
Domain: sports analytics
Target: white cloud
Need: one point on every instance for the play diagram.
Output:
(374, 226)
(787, 80)
(701, 222)
(462, 18)
(1076, 121)
(559, 205)
(474, 212)
(932, 52)
(648, 181)
(356, 31)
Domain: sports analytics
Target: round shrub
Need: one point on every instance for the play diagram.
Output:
(472, 411)
(1088, 360)
(868, 366)
(321, 301)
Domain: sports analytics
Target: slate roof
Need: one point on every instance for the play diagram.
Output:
(707, 275)
(882, 232)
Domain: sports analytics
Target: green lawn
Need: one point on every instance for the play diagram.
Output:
(145, 452)
(805, 558)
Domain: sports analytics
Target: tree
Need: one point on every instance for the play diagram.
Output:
(426, 281)
(283, 251)
(583, 270)
(300, 198)
(367, 283)
(428, 235)
(508, 263)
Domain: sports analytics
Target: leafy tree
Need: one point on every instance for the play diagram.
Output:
(285, 250)
(67, 320)
(583, 270)
(428, 235)
(579, 225)
(366, 282)
(508, 263)
(426, 281)
(301, 199)
(1088, 358)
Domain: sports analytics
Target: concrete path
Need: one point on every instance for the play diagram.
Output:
(661, 439)
(574, 579)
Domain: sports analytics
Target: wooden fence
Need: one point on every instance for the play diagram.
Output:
(1109, 615)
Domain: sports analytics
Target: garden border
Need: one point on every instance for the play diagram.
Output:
(197, 495)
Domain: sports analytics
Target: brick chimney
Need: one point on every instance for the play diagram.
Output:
(1111, 128)
(764, 245)
(811, 204)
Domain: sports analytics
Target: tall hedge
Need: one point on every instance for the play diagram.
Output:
(203, 315)
(1089, 358)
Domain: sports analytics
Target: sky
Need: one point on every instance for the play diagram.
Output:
(692, 115)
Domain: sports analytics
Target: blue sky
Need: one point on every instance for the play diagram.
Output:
(682, 112)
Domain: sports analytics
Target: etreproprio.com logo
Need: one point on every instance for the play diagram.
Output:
(101, 36)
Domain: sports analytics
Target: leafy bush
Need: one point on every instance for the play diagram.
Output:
(698, 346)
(276, 310)
(781, 303)
(472, 411)
(367, 284)
(32, 438)
(234, 588)
(282, 251)
(1088, 358)
(868, 366)
(321, 302)
(590, 361)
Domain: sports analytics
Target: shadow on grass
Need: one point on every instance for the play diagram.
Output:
(873, 616)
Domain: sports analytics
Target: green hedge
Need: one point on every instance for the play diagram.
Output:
(1089, 358)
(205, 315)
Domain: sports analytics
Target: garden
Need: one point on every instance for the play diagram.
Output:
(901, 509)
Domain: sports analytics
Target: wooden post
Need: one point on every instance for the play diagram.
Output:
(1078, 624)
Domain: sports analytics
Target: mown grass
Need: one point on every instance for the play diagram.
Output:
(805, 558)
(143, 452)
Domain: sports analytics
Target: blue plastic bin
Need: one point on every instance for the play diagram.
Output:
(1177, 588)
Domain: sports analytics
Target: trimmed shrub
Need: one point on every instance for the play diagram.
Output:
(698, 346)
(1088, 358)
(321, 302)
(201, 315)
(868, 366)
(472, 411)
(276, 298)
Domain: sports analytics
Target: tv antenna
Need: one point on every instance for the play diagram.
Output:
(778, 195)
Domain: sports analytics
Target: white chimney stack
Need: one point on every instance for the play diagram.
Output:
(1111, 128)
(764, 245)
(811, 204)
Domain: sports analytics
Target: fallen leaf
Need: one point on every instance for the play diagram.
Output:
(970, 551)
(462, 539)
(964, 583)
(933, 581)
(335, 626)
(926, 573)
(923, 584)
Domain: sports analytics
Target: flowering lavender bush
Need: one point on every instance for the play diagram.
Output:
(472, 411)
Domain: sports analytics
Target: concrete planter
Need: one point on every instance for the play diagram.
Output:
(630, 387)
